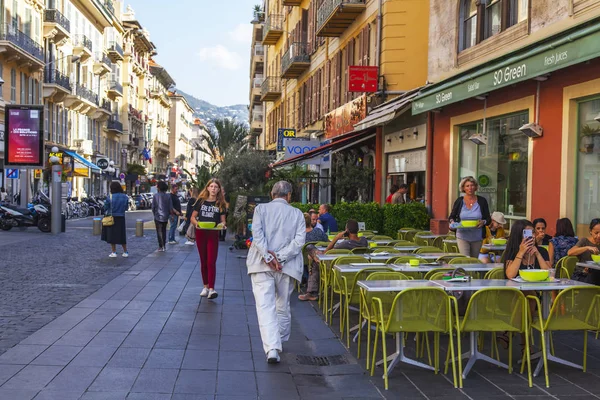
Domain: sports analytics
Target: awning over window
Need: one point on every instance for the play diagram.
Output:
(347, 140)
(560, 51)
(388, 111)
(83, 161)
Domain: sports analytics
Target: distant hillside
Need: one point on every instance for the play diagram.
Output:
(209, 112)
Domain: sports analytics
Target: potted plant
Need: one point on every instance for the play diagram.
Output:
(587, 138)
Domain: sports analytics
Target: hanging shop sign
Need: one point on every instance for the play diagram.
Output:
(296, 147)
(342, 119)
(561, 53)
(284, 133)
(24, 144)
(362, 79)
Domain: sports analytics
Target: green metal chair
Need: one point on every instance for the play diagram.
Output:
(566, 266)
(465, 260)
(322, 244)
(402, 235)
(427, 249)
(338, 251)
(496, 273)
(435, 271)
(400, 243)
(388, 249)
(574, 309)
(418, 310)
(360, 250)
(447, 258)
(410, 235)
(334, 287)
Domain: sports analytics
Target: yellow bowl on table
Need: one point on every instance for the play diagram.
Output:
(372, 244)
(206, 225)
(498, 242)
(534, 275)
(360, 234)
(413, 262)
(596, 258)
(469, 223)
(331, 237)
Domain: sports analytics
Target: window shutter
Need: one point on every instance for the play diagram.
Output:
(325, 86)
(361, 46)
(350, 61)
(366, 44)
(315, 105)
(310, 40)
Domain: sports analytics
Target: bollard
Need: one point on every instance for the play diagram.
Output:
(139, 227)
(97, 230)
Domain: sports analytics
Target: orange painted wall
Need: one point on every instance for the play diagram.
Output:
(546, 150)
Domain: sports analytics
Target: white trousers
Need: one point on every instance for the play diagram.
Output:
(272, 291)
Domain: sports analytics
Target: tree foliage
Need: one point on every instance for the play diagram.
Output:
(136, 169)
(352, 179)
(218, 141)
(243, 170)
(297, 175)
(203, 175)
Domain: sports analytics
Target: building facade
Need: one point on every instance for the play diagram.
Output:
(516, 104)
(158, 123)
(181, 125)
(256, 113)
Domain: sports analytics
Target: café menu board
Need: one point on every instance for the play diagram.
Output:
(24, 141)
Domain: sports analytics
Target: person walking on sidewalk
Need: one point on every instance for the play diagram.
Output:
(116, 205)
(161, 208)
(174, 217)
(190, 230)
(209, 207)
(274, 262)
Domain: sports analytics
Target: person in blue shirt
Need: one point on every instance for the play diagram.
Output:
(326, 219)
(116, 205)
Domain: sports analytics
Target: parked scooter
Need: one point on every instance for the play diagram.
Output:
(37, 214)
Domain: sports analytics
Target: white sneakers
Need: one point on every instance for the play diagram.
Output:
(173, 242)
(204, 292)
(112, 255)
(126, 254)
(273, 357)
(212, 294)
(190, 243)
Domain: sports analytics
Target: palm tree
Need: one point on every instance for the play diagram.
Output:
(297, 175)
(226, 133)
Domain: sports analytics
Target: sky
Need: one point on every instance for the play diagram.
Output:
(203, 44)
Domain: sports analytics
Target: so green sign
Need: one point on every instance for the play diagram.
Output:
(553, 59)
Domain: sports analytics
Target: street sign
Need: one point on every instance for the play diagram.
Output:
(121, 176)
(12, 173)
(284, 133)
(102, 163)
(362, 78)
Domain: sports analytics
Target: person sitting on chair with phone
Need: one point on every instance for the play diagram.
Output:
(350, 236)
(522, 252)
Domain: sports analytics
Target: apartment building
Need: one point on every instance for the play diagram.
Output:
(308, 87)
(138, 50)
(516, 104)
(256, 113)
(158, 122)
(181, 125)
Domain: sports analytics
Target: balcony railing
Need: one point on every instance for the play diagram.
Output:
(116, 47)
(106, 105)
(109, 6)
(104, 59)
(86, 94)
(259, 50)
(273, 29)
(116, 86)
(257, 82)
(18, 38)
(257, 116)
(270, 89)
(82, 41)
(114, 125)
(334, 16)
(55, 16)
(295, 61)
(54, 76)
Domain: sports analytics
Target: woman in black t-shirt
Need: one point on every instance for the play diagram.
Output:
(210, 207)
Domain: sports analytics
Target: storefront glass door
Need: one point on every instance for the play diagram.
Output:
(500, 166)
(588, 166)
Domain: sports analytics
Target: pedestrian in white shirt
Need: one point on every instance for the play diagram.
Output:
(274, 262)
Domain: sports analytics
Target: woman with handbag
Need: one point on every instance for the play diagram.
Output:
(113, 224)
(190, 230)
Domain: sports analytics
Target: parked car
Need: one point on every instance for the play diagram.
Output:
(140, 202)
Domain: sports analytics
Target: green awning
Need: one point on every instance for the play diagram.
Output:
(561, 51)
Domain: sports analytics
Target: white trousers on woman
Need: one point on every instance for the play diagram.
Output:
(272, 291)
(469, 249)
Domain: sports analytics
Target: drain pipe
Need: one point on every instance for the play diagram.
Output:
(379, 30)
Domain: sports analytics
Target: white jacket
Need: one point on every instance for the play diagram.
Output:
(281, 228)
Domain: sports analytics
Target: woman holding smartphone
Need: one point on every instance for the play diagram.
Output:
(522, 252)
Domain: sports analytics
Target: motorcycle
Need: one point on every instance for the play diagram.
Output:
(37, 214)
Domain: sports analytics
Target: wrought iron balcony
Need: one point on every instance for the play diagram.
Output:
(55, 77)
(82, 41)
(115, 126)
(335, 16)
(22, 41)
(115, 86)
(295, 61)
(115, 51)
(106, 105)
(54, 16)
(270, 89)
(86, 94)
(273, 29)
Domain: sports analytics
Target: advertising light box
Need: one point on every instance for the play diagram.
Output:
(24, 141)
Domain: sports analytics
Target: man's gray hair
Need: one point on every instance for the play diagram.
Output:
(281, 189)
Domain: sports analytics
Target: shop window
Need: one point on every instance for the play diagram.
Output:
(482, 19)
(500, 166)
(588, 165)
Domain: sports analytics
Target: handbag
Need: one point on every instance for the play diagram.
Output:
(108, 219)
(191, 232)
(181, 226)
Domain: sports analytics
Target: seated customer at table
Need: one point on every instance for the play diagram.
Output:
(584, 250)
(494, 230)
(314, 220)
(522, 252)
(564, 240)
(350, 236)
(312, 269)
(313, 234)
(539, 232)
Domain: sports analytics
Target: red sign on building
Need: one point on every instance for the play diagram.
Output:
(362, 79)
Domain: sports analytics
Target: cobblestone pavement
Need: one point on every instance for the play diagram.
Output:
(42, 276)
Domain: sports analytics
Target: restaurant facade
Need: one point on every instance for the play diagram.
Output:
(525, 125)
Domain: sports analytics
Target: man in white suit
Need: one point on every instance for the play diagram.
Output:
(274, 262)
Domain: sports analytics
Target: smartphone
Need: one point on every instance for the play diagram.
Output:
(527, 233)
